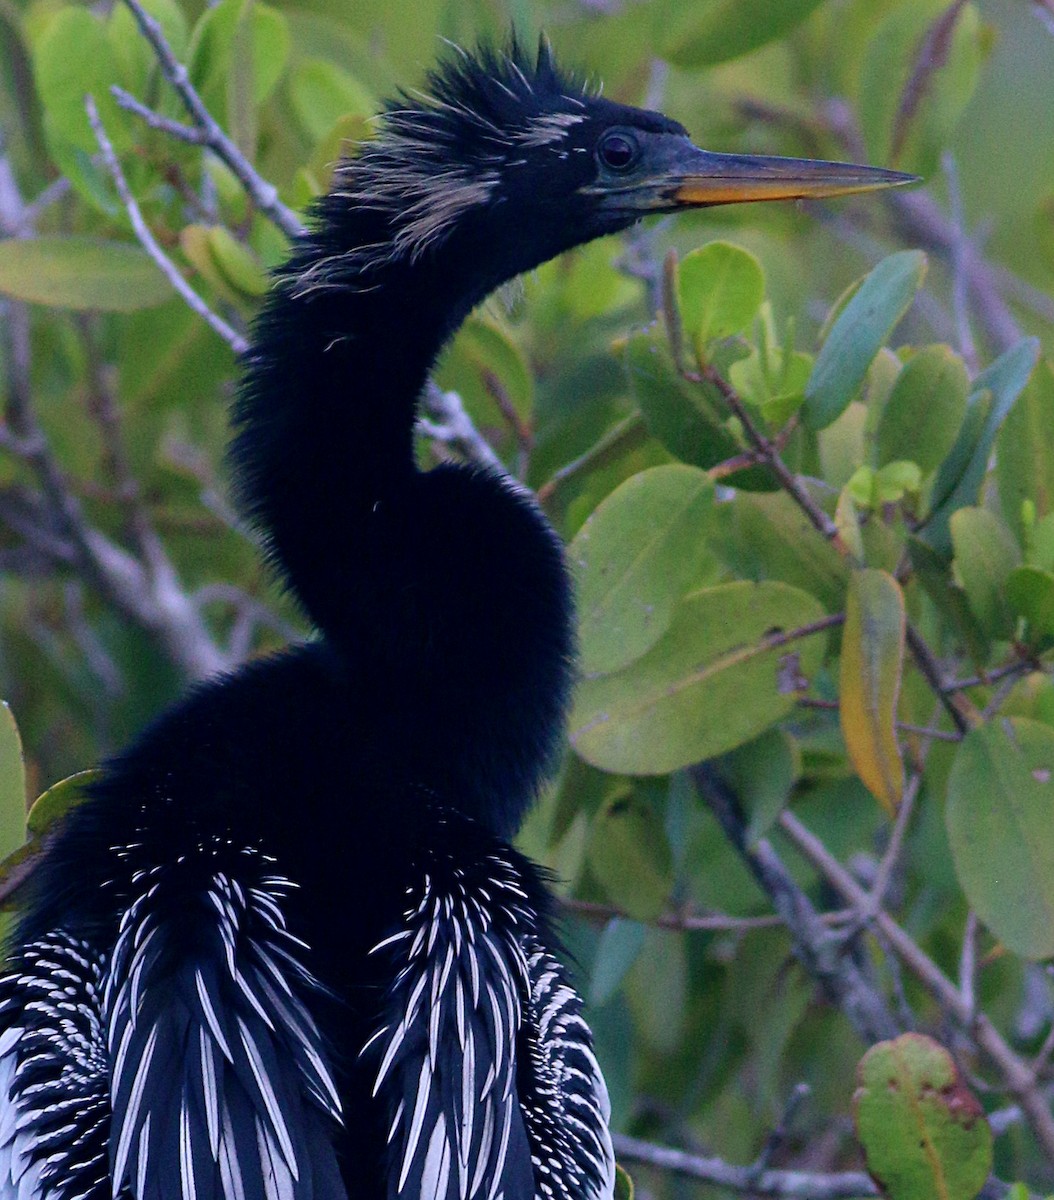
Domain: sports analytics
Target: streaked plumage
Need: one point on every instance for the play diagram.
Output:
(285, 951)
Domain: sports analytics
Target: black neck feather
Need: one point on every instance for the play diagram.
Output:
(444, 591)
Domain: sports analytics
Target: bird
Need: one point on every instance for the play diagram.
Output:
(285, 948)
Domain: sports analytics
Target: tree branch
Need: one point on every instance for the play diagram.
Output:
(264, 195)
(1018, 1078)
(785, 1185)
(820, 952)
(150, 244)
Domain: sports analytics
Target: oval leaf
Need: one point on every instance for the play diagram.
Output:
(720, 289)
(1000, 800)
(620, 943)
(1030, 594)
(1025, 450)
(985, 554)
(925, 409)
(634, 559)
(81, 273)
(860, 331)
(923, 1131)
(51, 806)
(727, 29)
(959, 479)
(630, 856)
(871, 671)
(679, 415)
(12, 784)
(719, 676)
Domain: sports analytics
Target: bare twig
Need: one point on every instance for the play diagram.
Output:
(174, 129)
(1018, 1077)
(449, 423)
(817, 948)
(263, 194)
(769, 454)
(931, 56)
(619, 439)
(150, 244)
(693, 922)
(786, 1185)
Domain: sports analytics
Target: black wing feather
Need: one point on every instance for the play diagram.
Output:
(220, 1089)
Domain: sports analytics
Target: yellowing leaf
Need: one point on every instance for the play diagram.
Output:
(872, 666)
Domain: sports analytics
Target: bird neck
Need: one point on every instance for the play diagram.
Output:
(444, 591)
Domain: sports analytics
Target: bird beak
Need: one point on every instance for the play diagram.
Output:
(698, 178)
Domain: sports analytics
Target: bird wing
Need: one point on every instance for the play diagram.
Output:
(445, 1053)
(565, 1098)
(54, 1085)
(211, 1069)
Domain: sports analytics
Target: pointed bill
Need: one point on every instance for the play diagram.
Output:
(703, 178)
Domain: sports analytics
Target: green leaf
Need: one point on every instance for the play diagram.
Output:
(239, 267)
(1025, 449)
(680, 415)
(624, 1189)
(74, 59)
(715, 680)
(913, 136)
(841, 445)
(959, 479)
(700, 35)
(923, 1131)
(1000, 797)
(51, 806)
(630, 856)
(1030, 594)
(862, 328)
(634, 558)
(720, 289)
(773, 382)
(322, 93)
(762, 773)
(656, 990)
(871, 671)
(772, 539)
(985, 554)
(81, 273)
(213, 47)
(619, 945)
(925, 409)
(12, 784)
(489, 372)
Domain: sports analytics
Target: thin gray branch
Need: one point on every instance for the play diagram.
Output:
(150, 244)
(146, 592)
(263, 194)
(821, 953)
(174, 129)
(449, 423)
(786, 1185)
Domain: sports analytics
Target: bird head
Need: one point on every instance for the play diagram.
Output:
(505, 154)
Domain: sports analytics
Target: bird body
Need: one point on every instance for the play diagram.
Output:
(285, 950)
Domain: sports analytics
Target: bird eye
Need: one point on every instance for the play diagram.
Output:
(618, 151)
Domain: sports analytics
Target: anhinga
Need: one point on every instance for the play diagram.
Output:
(285, 950)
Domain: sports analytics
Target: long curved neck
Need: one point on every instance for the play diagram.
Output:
(445, 591)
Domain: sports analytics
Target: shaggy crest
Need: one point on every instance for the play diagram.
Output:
(440, 151)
